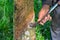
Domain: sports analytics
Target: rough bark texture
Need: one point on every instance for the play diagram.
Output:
(24, 13)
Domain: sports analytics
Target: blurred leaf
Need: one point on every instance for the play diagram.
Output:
(6, 19)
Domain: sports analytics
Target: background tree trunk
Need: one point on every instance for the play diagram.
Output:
(24, 14)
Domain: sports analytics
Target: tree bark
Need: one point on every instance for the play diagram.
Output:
(24, 14)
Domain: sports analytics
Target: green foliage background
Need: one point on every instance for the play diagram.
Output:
(42, 32)
(6, 19)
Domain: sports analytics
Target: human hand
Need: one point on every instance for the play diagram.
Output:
(48, 17)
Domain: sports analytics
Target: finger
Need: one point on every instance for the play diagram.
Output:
(49, 17)
(38, 20)
(44, 20)
(41, 23)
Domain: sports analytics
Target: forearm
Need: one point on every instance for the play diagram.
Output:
(43, 11)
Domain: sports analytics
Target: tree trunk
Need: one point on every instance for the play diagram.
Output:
(24, 14)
